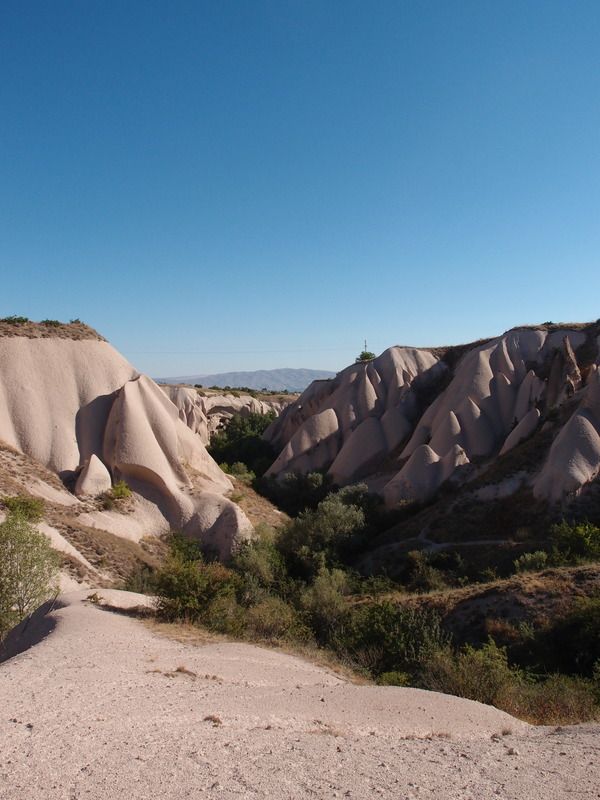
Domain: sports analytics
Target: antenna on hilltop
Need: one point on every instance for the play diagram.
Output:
(365, 345)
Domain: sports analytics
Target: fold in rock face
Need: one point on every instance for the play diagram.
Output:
(80, 409)
(412, 419)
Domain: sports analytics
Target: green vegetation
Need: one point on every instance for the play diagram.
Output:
(295, 585)
(118, 492)
(302, 585)
(573, 543)
(241, 442)
(365, 355)
(28, 570)
(30, 508)
(51, 323)
(15, 320)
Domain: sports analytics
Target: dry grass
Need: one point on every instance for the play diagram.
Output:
(195, 635)
(257, 508)
(76, 331)
(474, 612)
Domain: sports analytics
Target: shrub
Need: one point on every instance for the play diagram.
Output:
(225, 615)
(241, 441)
(316, 538)
(274, 619)
(240, 471)
(261, 569)
(365, 355)
(531, 562)
(478, 674)
(28, 570)
(574, 542)
(325, 603)
(295, 492)
(394, 678)
(120, 490)
(51, 323)
(15, 320)
(571, 644)
(557, 700)
(185, 588)
(422, 577)
(30, 508)
(384, 637)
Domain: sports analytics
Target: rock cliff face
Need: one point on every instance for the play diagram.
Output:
(206, 412)
(81, 410)
(411, 419)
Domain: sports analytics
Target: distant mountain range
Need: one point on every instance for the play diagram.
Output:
(276, 380)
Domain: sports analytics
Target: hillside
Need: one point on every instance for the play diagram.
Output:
(275, 380)
(98, 705)
(412, 419)
(78, 425)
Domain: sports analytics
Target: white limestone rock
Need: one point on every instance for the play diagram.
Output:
(93, 479)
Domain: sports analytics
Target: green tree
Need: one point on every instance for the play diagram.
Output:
(28, 570)
(365, 355)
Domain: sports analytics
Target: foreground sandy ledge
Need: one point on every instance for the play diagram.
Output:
(99, 706)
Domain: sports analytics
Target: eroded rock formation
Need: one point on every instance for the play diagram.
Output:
(80, 409)
(412, 419)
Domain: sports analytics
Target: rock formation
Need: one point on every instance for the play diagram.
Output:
(77, 407)
(205, 412)
(411, 419)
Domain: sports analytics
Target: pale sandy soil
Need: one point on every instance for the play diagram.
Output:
(95, 708)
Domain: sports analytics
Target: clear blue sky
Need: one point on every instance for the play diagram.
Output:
(243, 185)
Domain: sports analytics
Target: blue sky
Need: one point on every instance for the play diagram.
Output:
(244, 185)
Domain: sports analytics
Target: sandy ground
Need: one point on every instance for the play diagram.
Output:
(95, 708)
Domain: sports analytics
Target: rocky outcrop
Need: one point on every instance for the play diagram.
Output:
(207, 412)
(93, 479)
(411, 419)
(81, 410)
(574, 458)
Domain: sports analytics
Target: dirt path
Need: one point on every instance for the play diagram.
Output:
(98, 709)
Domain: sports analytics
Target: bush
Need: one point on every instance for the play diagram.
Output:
(476, 674)
(261, 569)
(185, 588)
(120, 490)
(574, 542)
(240, 471)
(30, 508)
(394, 678)
(387, 638)
(316, 539)
(15, 320)
(365, 355)
(571, 644)
(241, 441)
(274, 619)
(558, 700)
(28, 570)
(295, 492)
(324, 602)
(421, 575)
(531, 562)
(51, 323)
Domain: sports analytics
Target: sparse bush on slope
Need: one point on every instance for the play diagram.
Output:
(28, 570)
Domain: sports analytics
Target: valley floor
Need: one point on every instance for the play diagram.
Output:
(99, 706)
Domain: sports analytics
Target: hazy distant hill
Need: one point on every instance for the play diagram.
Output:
(294, 380)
